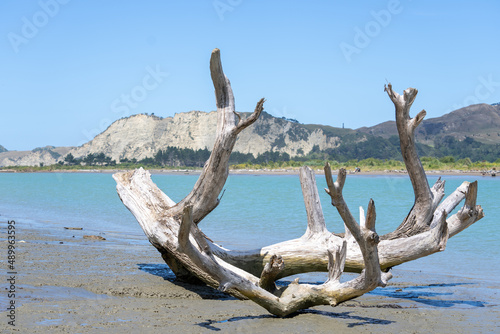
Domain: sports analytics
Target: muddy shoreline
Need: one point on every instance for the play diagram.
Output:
(68, 284)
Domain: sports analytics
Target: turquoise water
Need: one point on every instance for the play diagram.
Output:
(256, 210)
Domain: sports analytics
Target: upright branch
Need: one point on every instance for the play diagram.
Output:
(205, 193)
(469, 213)
(336, 261)
(418, 219)
(270, 273)
(365, 235)
(315, 219)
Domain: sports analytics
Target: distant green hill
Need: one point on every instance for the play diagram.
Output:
(479, 121)
(3, 149)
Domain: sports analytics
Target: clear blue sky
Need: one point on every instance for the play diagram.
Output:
(68, 68)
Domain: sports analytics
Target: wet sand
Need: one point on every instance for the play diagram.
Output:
(68, 284)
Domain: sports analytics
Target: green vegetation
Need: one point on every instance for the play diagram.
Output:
(467, 148)
(173, 156)
(381, 148)
(372, 164)
(91, 159)
(276, 160)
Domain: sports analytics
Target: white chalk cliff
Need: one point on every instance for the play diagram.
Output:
(141, 136)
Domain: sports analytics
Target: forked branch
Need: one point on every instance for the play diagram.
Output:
(205, 194)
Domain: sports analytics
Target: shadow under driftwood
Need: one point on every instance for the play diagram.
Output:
(162, 270)
(419, 293)
(423, 294)
(357, 320)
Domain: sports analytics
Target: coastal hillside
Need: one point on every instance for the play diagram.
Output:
(471, 132)
(142, 136)
(479, 121)
(41, 156)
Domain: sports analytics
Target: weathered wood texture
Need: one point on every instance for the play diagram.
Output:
(173, 227)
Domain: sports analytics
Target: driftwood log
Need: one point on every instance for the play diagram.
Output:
(173, 227)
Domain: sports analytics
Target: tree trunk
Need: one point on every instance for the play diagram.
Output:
(173, 227)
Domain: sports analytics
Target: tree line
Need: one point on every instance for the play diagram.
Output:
(92, 159)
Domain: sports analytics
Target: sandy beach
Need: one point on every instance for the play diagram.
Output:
(68, 284)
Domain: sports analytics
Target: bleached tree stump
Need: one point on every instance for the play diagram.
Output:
(173, 227)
